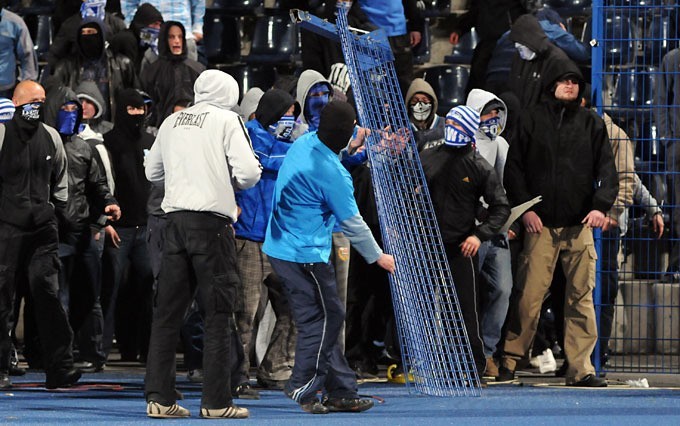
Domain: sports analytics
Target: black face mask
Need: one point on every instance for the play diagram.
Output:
(91, 46)
(30, 113)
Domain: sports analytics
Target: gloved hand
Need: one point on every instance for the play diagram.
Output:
(339, 77)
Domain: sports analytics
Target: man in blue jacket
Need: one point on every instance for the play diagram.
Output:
(308, 197)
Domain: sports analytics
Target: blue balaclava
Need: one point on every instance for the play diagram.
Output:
(314, 104)
(67, 120)
(468, 119)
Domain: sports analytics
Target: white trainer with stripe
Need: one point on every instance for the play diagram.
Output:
(174, 411)
(233, 412)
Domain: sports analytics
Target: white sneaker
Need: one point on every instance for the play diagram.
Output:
(174, 411)
(232, 412)
(546, 362)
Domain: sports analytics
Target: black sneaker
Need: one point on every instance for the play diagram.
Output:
(62, 378)
(352, 405)
(271, 384)
(245, 391)
(562, 371)
(591, 381)
(314, 407)
(89, 367)
(505, 375)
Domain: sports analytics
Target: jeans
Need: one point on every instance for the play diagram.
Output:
(199, 252)
(132, 251)
(496, 269)
(80, 291)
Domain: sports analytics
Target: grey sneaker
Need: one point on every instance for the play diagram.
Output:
(158, 411)
(231, 412)
(195, 376)
(245, 391)
(314, 407)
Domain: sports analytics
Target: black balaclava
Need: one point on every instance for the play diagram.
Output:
(92, 45)
(124, 122)
(336, 125)
(273, 104)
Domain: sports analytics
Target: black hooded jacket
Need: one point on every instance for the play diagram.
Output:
(125, 145)
(64, 43)
(525, 78)
(562, 153)
(88, 192)
(119, 69)
(169, 78)
(456, 179)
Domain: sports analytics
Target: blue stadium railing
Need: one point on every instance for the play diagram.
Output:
(635, 79)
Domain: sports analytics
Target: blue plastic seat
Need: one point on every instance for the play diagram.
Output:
(235, 7)
(40, 28)
(247, 76)
(632, 91)
(434, 8)
(462, 52)
(222, 43)
(275, 41)
(448, 83)
(569, 7)
(619, 38)
(421, 53)
(660, 36)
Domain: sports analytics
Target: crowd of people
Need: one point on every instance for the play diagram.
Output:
(141, 202)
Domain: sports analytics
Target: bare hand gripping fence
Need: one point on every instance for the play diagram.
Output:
(435, 346)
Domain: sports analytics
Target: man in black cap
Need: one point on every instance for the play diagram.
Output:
(562, 153)
(309, 196)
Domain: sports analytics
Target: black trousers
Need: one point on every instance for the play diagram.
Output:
(29, 258)
(199, 248)
(467, 285)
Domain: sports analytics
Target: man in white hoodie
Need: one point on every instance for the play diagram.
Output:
(203, 154)
(494, 254)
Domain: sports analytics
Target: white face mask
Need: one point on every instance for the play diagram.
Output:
(421, 111)
(524, 52)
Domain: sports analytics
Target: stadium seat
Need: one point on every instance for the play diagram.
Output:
(569, 7)
(619, 38)
(660, 36)
(224, 44)
(248, 76)
(462, 52)
(34, 7)
(449, 84)
(234, 7)
(434, 8)
(421, 53)
(40, 28)
(632, 91)
(275, 41)
(647, 145)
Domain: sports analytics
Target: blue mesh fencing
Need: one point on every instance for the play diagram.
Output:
(435, 347)
(636, 83)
